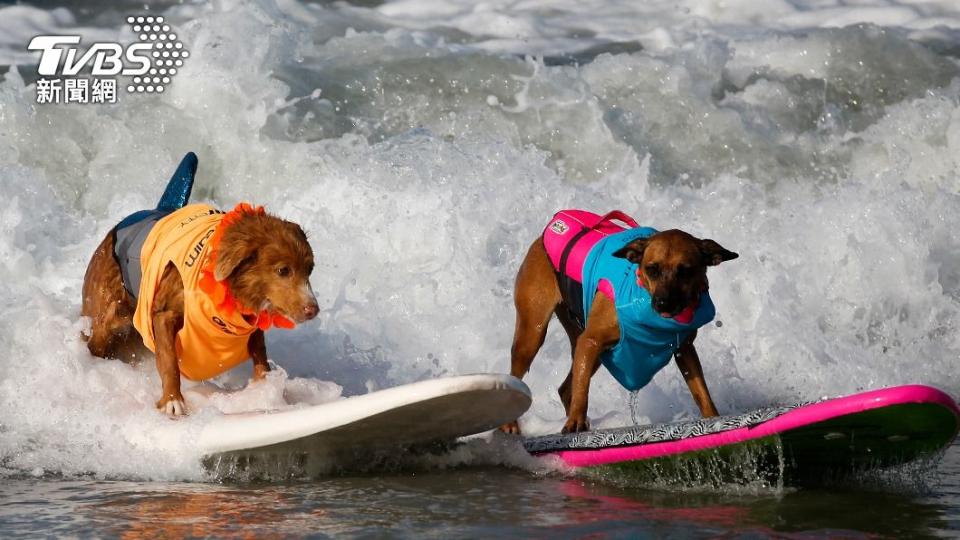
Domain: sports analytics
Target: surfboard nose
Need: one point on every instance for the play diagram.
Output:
(177, 193)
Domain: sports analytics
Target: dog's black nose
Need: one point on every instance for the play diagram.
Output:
(660, 304)
(310, 310)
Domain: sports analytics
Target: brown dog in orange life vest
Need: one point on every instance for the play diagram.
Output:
(199, 286)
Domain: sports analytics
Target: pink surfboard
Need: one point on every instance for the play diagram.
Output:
(879, 428)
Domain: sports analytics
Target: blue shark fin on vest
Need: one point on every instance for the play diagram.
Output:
(131, 233)
(177, 194)
(175, 197)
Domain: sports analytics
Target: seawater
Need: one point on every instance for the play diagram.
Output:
(423, 146)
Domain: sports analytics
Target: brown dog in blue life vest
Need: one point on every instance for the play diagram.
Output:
(630, 298)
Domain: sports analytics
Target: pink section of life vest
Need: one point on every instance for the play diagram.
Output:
(566, 224)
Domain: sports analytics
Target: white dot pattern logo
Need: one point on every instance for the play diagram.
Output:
(167, 52)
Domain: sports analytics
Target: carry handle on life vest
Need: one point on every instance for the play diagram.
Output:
(616, 215)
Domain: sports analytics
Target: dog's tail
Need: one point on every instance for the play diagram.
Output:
(177, 194)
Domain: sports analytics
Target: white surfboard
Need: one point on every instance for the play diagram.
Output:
(403, 416)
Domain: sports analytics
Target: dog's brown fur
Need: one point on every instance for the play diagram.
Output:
(674, 267)
(265, 261)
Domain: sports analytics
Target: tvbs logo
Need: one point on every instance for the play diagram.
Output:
(150, 62)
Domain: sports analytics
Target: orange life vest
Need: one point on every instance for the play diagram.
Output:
(212, 340)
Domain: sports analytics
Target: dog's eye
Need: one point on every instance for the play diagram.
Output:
(653, 271)
(283, 271)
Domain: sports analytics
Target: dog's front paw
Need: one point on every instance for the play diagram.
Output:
(512, 428)
(172, 405)
(576, 424)
(260, 373)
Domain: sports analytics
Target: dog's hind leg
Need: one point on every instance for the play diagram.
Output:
(573, 332)
(536, 296)
(106, 302)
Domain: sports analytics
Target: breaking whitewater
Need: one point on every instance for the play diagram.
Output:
(423, 146)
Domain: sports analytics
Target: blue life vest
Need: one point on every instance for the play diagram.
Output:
(647, 340)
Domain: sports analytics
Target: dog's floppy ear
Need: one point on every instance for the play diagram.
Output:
(633, 251)
(714, 254)
(230, 256)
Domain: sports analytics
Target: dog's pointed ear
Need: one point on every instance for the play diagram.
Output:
(633, 251)
(714, 254)
(232, 255)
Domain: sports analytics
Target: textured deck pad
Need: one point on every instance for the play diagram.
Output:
(632, 435)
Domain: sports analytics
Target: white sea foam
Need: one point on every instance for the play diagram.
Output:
(422, 155)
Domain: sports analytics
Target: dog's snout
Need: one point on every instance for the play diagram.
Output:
(309, 302)
(660, 304)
